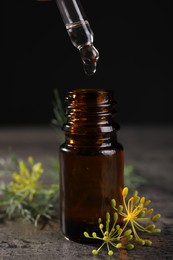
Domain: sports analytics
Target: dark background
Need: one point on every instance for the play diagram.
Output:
(135, 42)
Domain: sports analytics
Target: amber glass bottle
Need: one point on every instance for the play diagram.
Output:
(91, 162)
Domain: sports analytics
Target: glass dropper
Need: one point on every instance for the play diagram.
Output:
(80, 32)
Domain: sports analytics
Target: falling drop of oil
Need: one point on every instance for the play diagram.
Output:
(89, 56)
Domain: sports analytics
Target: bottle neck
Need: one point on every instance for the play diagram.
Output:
(90, 117)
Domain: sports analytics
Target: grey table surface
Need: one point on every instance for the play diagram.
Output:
(149, 148)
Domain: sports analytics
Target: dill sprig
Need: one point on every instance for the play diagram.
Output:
(25, 196)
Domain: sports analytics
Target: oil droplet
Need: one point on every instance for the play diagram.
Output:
(89, 56)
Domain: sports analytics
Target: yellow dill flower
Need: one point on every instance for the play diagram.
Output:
(25, 182)
(111, 236)
(135, 211)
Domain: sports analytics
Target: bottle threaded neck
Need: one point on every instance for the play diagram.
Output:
(91, 117)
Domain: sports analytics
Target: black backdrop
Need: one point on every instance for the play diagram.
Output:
(134, 39)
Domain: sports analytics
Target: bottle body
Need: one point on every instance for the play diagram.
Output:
(92, 163)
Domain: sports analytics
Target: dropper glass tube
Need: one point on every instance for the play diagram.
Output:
(80, 32)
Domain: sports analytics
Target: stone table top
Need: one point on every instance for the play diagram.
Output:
(149, 148)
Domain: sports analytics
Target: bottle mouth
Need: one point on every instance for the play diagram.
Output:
(91, 90)
(91, 96)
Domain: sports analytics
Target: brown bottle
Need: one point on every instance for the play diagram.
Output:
(91, 161)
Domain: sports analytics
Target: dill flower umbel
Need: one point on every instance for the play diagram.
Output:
(111, 236)
(25, 182)
(135, 212)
